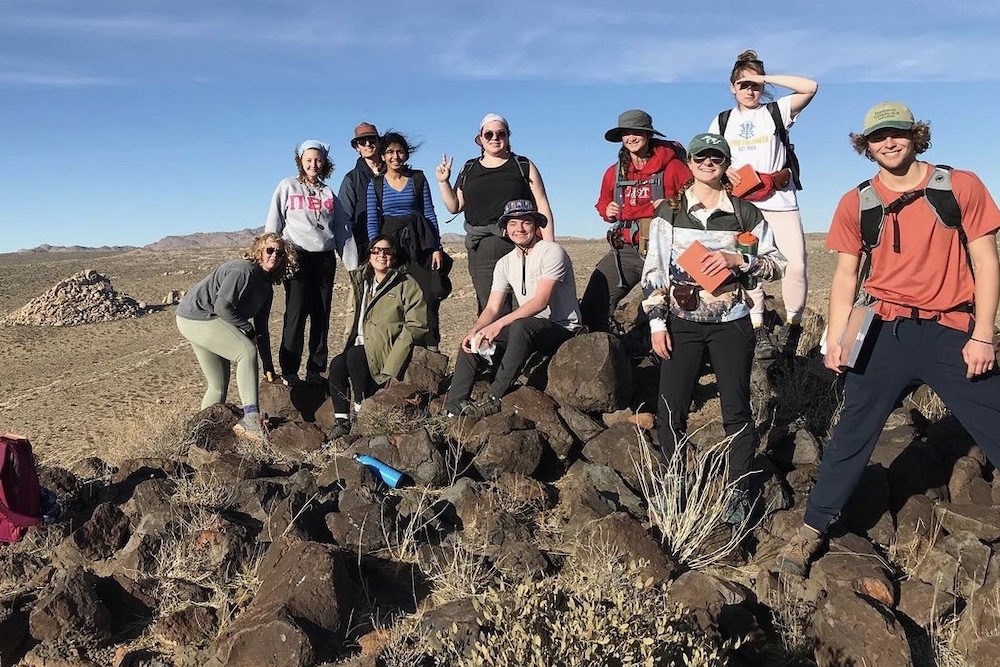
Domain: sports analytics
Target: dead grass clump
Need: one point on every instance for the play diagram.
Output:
(154, 433)
(688, 499)
(595, 612)
(808, 394)
(927, 403)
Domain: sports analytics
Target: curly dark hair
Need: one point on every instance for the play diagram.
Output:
(392, 137)
(920, 135)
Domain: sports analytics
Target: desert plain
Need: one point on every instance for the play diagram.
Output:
(96, 389)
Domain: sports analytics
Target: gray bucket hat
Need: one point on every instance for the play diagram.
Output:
(633, 119)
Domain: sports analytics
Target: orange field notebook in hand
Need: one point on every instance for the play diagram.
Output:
(749, 181)
(690, 260)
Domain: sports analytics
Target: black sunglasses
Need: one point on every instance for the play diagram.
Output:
(366, 141)
(274, 251)
(388, 252)
(716, 159)
(489, 134)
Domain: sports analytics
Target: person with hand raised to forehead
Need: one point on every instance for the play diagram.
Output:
(354, 187)
(390, 317)
(756, 143)
(224, 317)
(703, 306)
(481, 189)
(539, 275)
(306, 212)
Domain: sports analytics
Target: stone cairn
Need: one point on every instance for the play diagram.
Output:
(83, 298)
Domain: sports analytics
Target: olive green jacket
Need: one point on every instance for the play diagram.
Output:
(395, 318)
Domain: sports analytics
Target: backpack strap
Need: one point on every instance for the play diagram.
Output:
(941, 198)
(379, 181)
(724, 121)
(523, 166)
(791, 159)
(418, 180)
(460, 181)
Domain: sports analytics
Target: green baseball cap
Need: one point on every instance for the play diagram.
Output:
(887, 114)
(709, 142)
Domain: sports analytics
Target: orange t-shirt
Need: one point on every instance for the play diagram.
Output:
(930, 272)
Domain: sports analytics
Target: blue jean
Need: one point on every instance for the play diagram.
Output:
(905, 351)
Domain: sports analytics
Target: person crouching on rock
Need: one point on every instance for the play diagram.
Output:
(390, 316)
(225, 318)
(686, 319)
(540, 276)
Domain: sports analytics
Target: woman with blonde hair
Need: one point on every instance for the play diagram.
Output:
(225, 316)
(757, 131)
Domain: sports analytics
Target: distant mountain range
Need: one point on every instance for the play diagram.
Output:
(239, 238)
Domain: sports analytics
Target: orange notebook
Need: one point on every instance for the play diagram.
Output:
(749, 181)
(690, 260)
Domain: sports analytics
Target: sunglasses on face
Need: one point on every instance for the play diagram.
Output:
(388, 252)
(365, 141)
(716, 159)
(274, 251)
(499, 134)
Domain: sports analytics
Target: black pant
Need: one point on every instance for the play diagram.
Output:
(307, 295)
(608, 286)
(482, 260)
(730, 351)
(430, 285)
(514, 344)
(905, 352)
(350, 367)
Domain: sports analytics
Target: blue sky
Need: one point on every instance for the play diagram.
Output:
(123, 122)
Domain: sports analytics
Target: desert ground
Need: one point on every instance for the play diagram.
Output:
(92, 389)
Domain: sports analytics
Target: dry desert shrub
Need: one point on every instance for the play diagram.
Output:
(595, 612)
(158, 433)
(807, 394)
(688, 500)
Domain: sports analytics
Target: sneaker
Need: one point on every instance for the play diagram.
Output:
(484, 408)
(314, 377)
(740, 507)
(795, 556)
(252, 427)
(763, 348)
(341, 427)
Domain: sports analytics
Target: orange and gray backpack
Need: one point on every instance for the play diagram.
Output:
(20, 491)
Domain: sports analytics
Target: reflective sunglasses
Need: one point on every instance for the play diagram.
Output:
(274, 251)
(716, 159)
(388, 252)
(499, 134)
(366, 141)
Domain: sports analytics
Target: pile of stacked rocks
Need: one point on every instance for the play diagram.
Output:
(82, 298)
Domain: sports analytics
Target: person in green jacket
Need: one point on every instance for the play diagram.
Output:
(390, 315)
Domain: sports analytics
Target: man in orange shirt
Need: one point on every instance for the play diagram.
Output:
(923, 290)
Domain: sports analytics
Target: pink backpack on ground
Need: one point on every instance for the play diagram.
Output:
(20, 491)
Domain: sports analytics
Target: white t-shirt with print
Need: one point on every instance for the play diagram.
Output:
(519, 274)
(753, 140)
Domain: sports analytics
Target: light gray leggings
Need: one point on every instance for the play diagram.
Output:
(218, 344)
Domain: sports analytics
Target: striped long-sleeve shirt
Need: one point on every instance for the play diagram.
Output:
(399, 203)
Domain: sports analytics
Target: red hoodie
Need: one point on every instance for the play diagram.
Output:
(637, 200)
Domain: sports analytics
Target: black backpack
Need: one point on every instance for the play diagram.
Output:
(791, 160)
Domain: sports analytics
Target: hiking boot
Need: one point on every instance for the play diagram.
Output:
(763, 348)
(341, 427)
(795, 556)
(484, 408)
(252, 426)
